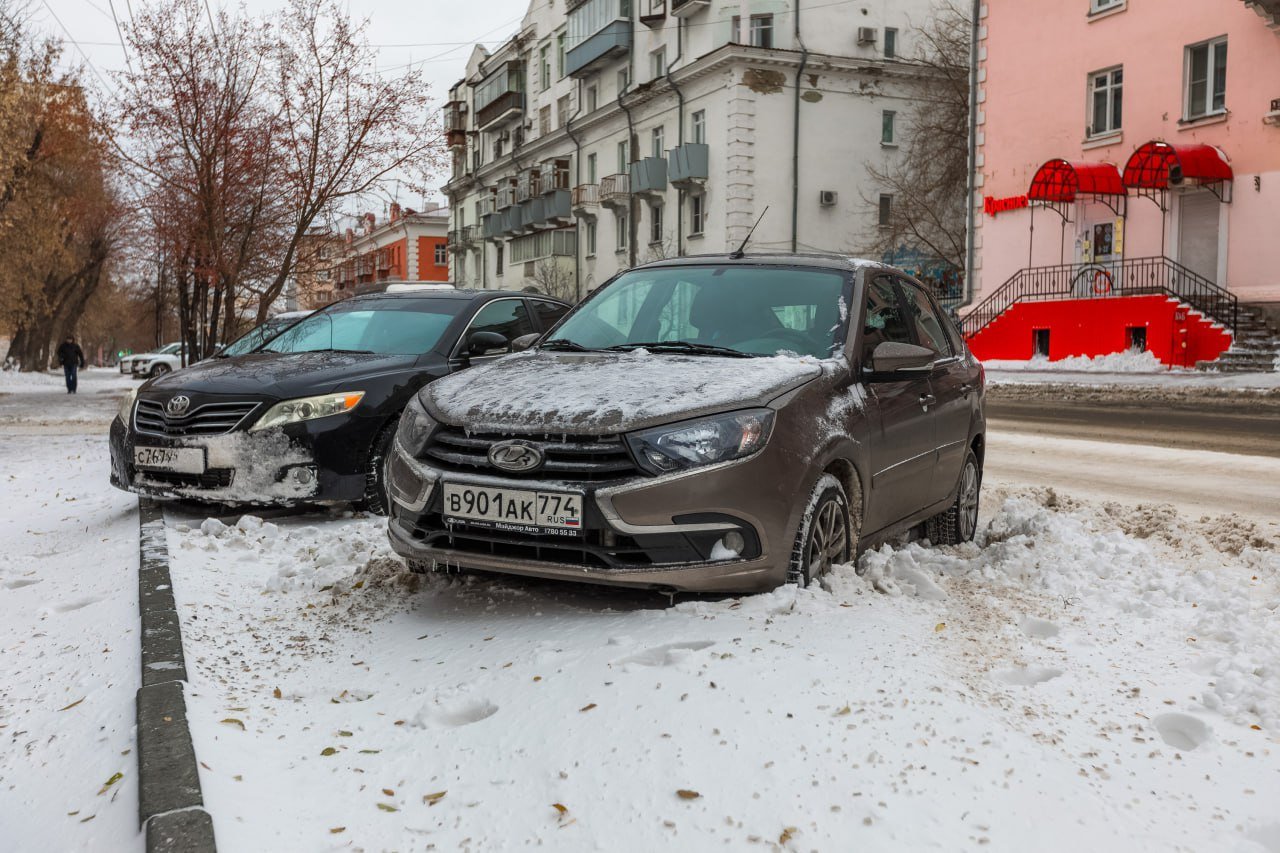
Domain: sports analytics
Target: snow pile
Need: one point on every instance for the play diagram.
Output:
(1128, 361)
(1212, 585)
(573, 393)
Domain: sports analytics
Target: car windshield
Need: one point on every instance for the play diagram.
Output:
(395, 326)
(168, 349)
(714, 310)
(257, 336)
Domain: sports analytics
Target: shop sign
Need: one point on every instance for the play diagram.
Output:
(992, 206)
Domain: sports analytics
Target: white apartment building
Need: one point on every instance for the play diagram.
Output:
(607, 133)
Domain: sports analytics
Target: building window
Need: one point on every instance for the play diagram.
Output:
(699, 123)
(890, 42)
(659, 142)
(562, 111)
(624, 156)
(761, 34)
(620, 222)
(886, 209)
(560, 51)
(544, 67)
(592, 99)
(591, 168)
(497, 264)
(658, 63)
(624, 80)
(1096, 6)
(442, 255)
(591, 238)
(655, 223)
(1106, 91)
(1206, 78)
(544, 120)
(888, 132)
(697, 214)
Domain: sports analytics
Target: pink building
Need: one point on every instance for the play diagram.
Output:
(1126, 148)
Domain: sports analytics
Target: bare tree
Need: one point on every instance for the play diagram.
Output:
(555, 277)
(928, 179)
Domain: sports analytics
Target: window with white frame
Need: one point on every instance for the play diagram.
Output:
(1106, 99)
(442, 255)
(624, 156)
(760, 33)
(890, 42)
(620, 224)
(624, 80)
(560, 54)
(1206, 73)
(888, 129)
(697, 214)
(591, 168)
(544, 67)
(886, 209)
(658, 135)
(591, 238)
(1096, 6)
(655, 223)
(699, 122)
(658, 63)
(592, 98)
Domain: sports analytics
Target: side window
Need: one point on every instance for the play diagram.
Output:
(549, 313)
(884, 322)
(507, 317)
(924, 317)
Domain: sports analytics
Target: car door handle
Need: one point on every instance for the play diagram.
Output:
(927, 400)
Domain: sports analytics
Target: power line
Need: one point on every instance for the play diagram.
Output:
(127, 60)
(71, 39)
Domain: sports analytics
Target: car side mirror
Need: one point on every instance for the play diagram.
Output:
(482, 342)
(894, 357)
(523, 342)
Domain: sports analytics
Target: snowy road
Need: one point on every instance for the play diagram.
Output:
(1087, 675)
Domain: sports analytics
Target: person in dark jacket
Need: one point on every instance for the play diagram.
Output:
(71, 357)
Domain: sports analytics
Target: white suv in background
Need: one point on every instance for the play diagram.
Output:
(127, 362)
(158, 363)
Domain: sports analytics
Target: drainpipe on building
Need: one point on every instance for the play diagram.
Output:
(679, 133)
(971, 185)
(795, 141)
(633, 206)
(577, 182)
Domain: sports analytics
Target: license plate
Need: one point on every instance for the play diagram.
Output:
(180, 460)
(513, 509)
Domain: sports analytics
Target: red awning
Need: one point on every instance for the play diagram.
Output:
(1061, 181)
(1150, 165)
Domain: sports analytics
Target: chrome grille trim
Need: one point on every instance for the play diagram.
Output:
(149, 418)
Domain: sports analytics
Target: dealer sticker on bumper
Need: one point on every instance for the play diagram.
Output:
(180, 460)
(513, 508)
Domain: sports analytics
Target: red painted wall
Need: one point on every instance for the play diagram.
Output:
(428, 269)
(1176, 334)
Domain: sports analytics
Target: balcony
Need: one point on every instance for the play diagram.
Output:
(455, 124)
(506, 197)
(512, 220)
(500, 96)
(555, 175)
(685, 8)
(1269, 10)
(649, 176)
(453, 241)
(615, 191)
(492, 225)
(530, 215)
(585, 200)
(556, 207)
(688, 164)
(470, 235)
(598, 32)
(545, 244)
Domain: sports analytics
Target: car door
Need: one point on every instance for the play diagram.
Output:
(508, 317)
(903, 443)
(547, 313)
(952, 385)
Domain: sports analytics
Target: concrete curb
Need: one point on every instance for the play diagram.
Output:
(170, 805)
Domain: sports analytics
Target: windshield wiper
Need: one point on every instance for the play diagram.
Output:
(563, 344)
(682, 347)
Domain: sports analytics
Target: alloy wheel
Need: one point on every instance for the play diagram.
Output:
(968, 501)
(828, 539)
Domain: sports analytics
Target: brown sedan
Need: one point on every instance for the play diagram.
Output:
(706, 424)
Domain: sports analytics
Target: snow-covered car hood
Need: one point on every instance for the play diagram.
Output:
(280, 374)
(538, 392)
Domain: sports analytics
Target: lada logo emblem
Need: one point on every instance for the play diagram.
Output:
(516, 456)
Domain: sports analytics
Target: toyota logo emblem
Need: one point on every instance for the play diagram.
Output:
(177, 405)
(516, 456)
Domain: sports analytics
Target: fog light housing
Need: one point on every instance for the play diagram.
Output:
(729, 546)
(299, 475)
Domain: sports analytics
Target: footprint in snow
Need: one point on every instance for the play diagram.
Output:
(1182, 731)
(667, 655)
(1041, 629)
(68, 606)
(19, 583)
(1026, 676)
(457, 713)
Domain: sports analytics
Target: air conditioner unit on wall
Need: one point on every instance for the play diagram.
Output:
(867, 35)
(827, 198)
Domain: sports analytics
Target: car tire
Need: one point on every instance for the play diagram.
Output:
(959, 522)
(160, 369)
(376, 499)
(827, 534)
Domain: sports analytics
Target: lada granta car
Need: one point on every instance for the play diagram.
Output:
(708, 424)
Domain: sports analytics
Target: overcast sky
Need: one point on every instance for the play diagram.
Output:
(435, 35)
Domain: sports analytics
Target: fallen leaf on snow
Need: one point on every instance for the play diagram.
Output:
(786, 834)
(941, 626)
(432, 799)
(276, 693)
(232, 721)
(73, 704)
(686, 794)
(115, 777)
(388, 792)
(370, 751)
(328, 750)
(335, 830)
(387, 807)
(587, 708)
(344, 733)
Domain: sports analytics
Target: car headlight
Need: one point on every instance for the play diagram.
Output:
(308, 409)
(416, 427)
(706, 441)
(126, 405)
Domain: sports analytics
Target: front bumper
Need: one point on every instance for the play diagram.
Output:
(654, 533)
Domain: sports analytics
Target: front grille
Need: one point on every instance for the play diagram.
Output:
(203, 419)
(214, 478)
(587, 550)
(569, 458)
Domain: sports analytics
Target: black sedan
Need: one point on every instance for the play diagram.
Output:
(308, 417)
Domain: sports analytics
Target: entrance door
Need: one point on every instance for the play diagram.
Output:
(1198, 234)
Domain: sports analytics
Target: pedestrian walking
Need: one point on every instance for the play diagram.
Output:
(71, 357)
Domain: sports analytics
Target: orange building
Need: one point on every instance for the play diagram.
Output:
(408, 246)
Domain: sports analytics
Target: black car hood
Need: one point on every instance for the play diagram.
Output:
(280, 375)
(592, 393)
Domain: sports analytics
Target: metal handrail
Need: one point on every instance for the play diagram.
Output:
(1129, 277)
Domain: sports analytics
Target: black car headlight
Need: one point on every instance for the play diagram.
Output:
(705, 441)
(416, 427)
